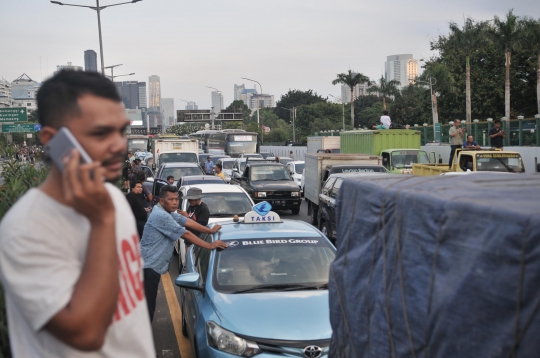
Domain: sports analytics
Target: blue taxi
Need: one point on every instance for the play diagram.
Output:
(266, 295)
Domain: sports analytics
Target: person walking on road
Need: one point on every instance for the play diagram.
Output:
(197, 210)
(163, 228)
(456, 140)
(497, 135)
(209, 166)
(385, 120)
(69, 257)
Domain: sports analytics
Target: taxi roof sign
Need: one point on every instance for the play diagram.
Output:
(261, 214)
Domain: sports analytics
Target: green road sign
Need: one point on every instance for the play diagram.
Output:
(13, 114)
(24, 127)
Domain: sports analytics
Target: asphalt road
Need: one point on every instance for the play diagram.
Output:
(166, 327)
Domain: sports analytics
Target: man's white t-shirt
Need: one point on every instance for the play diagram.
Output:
(386, 121)
(42, 252)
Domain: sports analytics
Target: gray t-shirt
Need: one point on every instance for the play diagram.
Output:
(458, 138)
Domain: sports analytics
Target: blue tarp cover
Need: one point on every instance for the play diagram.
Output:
(445, 266)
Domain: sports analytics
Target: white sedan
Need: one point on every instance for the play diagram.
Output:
(223, 201)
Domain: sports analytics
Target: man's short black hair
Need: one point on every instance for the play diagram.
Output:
(167, 189)
(218, 165)
(385, 113)
(134, 183)
(57, 97)
(170, 177)
(497, 121)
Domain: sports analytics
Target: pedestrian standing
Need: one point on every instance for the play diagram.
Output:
(457, 135)
(69, 258)
(163, 228)
(209, 166)
(139, 211)
(219, 171)
(497, 135)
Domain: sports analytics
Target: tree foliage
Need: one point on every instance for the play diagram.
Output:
(350, 79)
(385, 89)
(296, 98)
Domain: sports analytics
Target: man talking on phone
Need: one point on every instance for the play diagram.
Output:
(69, 253)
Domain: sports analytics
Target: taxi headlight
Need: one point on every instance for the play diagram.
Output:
(295, 193)
(260, 194)
(225, 341)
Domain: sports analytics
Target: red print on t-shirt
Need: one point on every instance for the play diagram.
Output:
(131, 286)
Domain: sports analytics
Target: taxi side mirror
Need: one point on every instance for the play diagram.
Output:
(191, 281)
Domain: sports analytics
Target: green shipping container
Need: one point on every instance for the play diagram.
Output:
(374, 142)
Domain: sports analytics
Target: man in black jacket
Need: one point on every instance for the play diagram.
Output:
(197, 210)
(139, 211)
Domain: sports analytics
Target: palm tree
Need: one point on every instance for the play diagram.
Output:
(351, 79)
(507, 35)
(385, 89)
(441, 79)
(467, 40)
(532, 37)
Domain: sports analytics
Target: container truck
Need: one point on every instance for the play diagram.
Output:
(316, 143)
(166, 149)
(317, 169)
(399, 148)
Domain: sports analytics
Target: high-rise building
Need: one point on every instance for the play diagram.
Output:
(256, 101)
(167, 109)
(217, 101)
(358, 90)
(90, 61)
(238, 89)
(129, 91)
(5, 94)
(142, 95)
(68, 67)
(191, 106)
(402, 68)
(23, 92)
(154, 89)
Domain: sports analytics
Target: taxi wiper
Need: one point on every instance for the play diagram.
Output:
(302, 287)
(281, 286)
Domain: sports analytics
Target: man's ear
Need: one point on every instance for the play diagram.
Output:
(46, 134)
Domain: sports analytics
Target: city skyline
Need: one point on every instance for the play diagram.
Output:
(306, 49)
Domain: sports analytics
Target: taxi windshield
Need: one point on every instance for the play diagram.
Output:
(268, 264)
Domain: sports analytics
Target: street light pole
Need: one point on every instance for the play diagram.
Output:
(258, 125)
(112, 70)
(292, 114)
(98, 9)
(113, 77)
(343, 110)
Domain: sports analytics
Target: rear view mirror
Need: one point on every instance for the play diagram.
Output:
(158, 184)
(191, 281)
(153, 166)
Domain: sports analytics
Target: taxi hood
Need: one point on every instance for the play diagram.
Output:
(296, 315)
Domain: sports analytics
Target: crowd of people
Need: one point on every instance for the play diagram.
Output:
(27, 154)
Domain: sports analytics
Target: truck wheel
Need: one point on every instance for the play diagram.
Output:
(295, 211)
(314, 213)
(324, 229)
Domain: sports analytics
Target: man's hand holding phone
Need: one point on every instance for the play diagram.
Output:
(84, 189)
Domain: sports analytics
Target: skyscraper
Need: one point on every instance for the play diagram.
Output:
(90, 61)
(217, 101)
(129, 91)
(154, 89)
(142, 95)
(402, 68)
(167, 109)
(191, 106)
(238, 89)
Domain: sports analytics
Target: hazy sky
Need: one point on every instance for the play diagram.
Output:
(283, 44)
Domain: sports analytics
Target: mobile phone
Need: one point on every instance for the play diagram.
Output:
(61, 145)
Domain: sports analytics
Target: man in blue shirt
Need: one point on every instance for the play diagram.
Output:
(163, 228)
(208, 166)
(470, 143)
